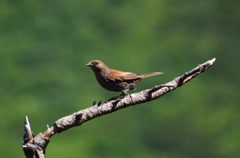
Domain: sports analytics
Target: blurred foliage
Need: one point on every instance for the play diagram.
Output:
(46, 44)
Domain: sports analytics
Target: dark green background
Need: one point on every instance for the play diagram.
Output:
(44, 46)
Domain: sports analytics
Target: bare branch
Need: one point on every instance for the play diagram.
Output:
(78, 118)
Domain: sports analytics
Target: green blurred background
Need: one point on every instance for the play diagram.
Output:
(46, 44)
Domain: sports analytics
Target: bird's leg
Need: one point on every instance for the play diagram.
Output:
(124, 93)
(114, 98)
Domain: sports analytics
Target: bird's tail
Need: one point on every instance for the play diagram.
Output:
(151, 74)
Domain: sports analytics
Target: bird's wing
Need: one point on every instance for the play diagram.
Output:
(129, 76)
(121, 75)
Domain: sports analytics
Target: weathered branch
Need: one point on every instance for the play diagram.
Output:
(35, 146)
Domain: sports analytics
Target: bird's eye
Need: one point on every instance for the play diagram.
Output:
(97, 63)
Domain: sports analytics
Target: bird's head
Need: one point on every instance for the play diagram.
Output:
(97, 65)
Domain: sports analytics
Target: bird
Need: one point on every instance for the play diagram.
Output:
(116, 80)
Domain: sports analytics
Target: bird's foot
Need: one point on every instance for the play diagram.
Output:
(124, 94)
(113, 98)
(130, 97)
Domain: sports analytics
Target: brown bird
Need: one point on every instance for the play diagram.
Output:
(115, 80)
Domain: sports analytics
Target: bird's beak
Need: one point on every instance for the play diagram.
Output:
(89, 64)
